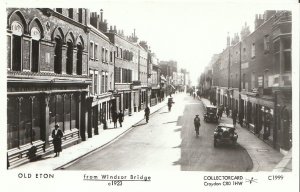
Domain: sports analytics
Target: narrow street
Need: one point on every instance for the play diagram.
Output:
(168, 142)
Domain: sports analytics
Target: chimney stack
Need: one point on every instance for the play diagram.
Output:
(258, 20)
(101, 15)
(94, 20)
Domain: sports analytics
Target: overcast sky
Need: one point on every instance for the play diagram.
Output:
(188, 31)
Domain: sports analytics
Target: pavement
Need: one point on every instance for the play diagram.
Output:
(104, 138)
(264, 157)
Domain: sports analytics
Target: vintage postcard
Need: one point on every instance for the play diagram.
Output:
(150, 95)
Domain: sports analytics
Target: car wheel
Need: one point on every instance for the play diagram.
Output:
(215, 143)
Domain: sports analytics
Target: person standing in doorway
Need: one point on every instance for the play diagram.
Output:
(121, 118)
(57, 135)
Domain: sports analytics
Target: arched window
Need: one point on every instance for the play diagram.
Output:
(79, 59)
(35, 48)
(17, 32)
(69, 57)
(58, 55)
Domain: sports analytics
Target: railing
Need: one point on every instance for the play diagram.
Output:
(25, 153)
(70, 136)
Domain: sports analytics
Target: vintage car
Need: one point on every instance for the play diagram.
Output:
(211, 114)
(225, 133)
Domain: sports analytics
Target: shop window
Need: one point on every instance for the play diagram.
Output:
(60, 111)
(69, 63)
(79, 60)
(25, 121)
(58, 55)
(73, 111)
(52, 112)
(67, 112)
(12, 123)
(36, 122)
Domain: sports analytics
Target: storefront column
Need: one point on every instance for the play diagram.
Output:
(89, 118)
(45, 129)
(95, 112)
(82, 115)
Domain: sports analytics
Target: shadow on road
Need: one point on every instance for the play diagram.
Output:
(199, 153)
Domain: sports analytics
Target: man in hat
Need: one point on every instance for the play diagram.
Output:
(57, 134)
(197, 124)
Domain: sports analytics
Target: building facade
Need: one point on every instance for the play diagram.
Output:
(253, 76)
(47, 77)
(101, 71)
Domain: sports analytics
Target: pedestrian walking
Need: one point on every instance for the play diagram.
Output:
(147, 113)
(57, 135)
(227, 111)
(234, 114)
(197, 124)
(115, 118)
(121, 118)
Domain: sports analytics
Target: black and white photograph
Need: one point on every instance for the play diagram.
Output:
(151, 95)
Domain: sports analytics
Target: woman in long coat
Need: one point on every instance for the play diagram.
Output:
(57, 134)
